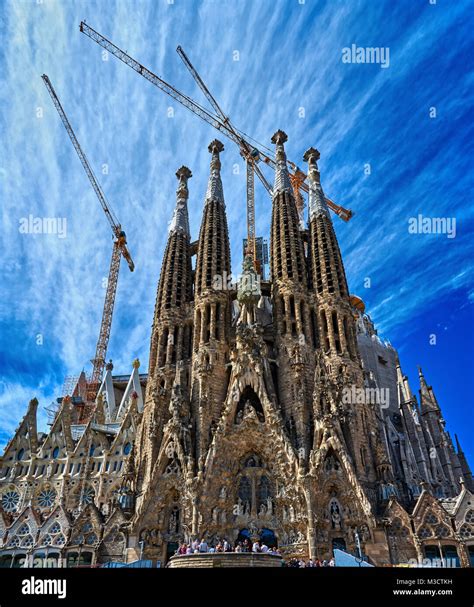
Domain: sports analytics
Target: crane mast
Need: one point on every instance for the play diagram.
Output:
(119, 249)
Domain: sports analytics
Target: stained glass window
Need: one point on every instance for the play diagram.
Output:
(10, 501)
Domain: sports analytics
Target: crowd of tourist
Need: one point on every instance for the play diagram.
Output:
(301, 563)
(196, 547)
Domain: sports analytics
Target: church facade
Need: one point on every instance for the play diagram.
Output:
(271, 410)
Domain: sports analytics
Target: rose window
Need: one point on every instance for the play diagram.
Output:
(46, 498)
(10, 501)
(88, 495)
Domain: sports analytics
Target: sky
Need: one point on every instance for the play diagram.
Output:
(396, 141)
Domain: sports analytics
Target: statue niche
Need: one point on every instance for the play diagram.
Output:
(249, 404)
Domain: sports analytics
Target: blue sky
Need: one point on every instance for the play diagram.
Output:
(290, 75)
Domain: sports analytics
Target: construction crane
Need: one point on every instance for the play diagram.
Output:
(119, 249)
(253, 153)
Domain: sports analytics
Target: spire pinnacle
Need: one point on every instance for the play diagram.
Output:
(316, 201)
(282, 178)
(427, 398)
(180, 221)
(214, 186)
(458, 444)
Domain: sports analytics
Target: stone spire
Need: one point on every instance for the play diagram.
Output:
(180, 221)
(213, 256)
(214, 185)
(465, 468)
(327, 274)
(282, 178)
(293, 314)
(317, 201)
(287, 251)
(175, 287)
(212, 310)
(428, 400)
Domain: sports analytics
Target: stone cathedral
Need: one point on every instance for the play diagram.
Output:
(261, 417)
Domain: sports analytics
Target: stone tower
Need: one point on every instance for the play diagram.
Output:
(172, 333)
(212, 313)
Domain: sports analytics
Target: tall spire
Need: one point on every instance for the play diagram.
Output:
(180, 221)
(214, 186)
(282, 178)
(327, 275)
(316, 201)
(428, 400)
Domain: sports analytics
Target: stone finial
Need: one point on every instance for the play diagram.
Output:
(183, 173)
(180, 221)
(280, 137)
(282, 181)
(311, 156)
(136, 364)
(215, 147)
(214, 187)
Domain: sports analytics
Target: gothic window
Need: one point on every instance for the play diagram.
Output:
(55, 452)
(425, 532)
(264, 490)
(60, 540)
(46, 498)
(91, 539)
(431, 519)
(24, 529)
(441, 531)
(469, 516)
(466, 531)
(27, 542)
(245, 489)
(10, 500)
(87, 526)
(47, 540)
(55, 528)
(127, 448)
(14, 542)
(20, 455)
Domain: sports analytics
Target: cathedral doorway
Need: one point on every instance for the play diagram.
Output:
(244, 535)
(339, 543)
(268, 538)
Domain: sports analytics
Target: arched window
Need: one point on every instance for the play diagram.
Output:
(264, 491)
(55, 452)
(127, 448)
(20, 454)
